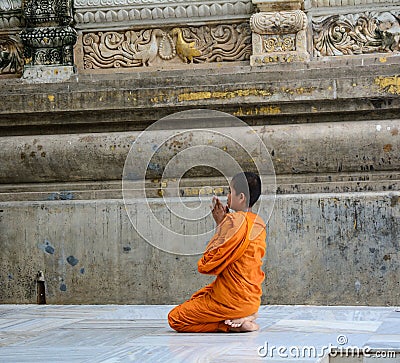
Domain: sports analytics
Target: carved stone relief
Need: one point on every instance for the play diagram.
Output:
(137, 48)
(106, 14)
(10, 14)
(278, 37)
(11, 61)
(363, 33)
(11, 48)
(48, 37)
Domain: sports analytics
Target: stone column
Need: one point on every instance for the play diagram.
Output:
(278, 32)
(48, 40)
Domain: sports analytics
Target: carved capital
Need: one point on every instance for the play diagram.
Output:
(47, 12)
(48, 37)
(278, 37)
(283, 22)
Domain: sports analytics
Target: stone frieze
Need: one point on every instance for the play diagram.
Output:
(341, 3)
(9, 5)
(363, 33)
(112, 13)
(138, 48)
(10, 14)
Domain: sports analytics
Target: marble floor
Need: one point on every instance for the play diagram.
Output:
(132, 333)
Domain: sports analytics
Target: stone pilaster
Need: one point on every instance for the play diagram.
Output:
(48, 40)
(278, 32)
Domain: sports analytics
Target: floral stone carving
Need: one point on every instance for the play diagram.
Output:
(137, 48)
(363, 33)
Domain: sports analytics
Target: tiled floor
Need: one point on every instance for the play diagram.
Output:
(128, 333)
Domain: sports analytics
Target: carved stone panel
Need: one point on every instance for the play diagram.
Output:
(147, 47)
(278, 37)
(48, 40)
(11, 55)
(11, 48)
(363, 33)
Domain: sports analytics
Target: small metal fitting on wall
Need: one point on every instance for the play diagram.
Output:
(41, 288)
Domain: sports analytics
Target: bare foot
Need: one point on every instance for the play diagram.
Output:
(246, 326)
(236, 323)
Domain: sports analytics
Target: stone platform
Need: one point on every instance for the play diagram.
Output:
(140, 333)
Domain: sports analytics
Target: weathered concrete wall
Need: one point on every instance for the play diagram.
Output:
(322, 249)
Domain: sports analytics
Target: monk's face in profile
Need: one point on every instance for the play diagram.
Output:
(236, 201)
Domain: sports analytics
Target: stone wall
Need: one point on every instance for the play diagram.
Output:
(318, 81)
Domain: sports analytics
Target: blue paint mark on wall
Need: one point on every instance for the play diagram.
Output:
(82, 270)
(47, 247)
(154, 167)
(60, 196)
(72, 260)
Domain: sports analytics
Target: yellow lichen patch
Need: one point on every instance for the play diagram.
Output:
(196, 96)
(159, 98)
(298, 90)
(382, 59)
(51, 98)
(389, 84)
(387, 148)
(266, 110)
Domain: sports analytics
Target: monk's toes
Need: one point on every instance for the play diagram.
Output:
(228, 322)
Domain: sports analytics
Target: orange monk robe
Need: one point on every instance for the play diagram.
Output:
(234, 255)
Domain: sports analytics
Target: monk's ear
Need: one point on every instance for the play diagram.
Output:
(243, 199)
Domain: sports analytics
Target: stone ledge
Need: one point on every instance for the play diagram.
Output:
(274, 95)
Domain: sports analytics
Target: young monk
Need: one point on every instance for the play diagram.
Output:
(234, 254)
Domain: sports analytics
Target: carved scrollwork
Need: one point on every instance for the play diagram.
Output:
(368, 32)
(11, 60)
(151, 46)
(279, 43)
(283, 22)
(221, 43)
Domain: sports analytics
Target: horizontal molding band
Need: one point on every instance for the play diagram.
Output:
(353, 147)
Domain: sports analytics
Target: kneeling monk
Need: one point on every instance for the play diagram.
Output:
(234, 255)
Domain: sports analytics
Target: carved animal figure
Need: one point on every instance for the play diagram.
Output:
(186, 50)
(149, 51)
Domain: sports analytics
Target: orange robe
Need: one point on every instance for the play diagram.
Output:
(234, 255)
